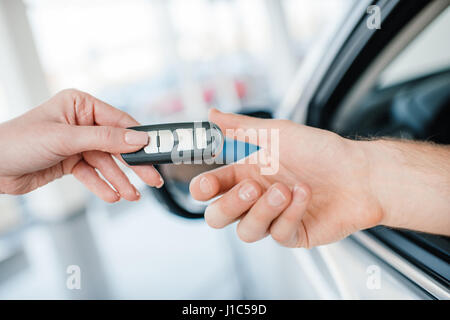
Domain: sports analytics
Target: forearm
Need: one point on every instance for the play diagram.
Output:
(412, 183)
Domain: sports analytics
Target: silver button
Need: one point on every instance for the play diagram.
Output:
(185, 139)
(152, 146)
(166, 141)
(200, 137)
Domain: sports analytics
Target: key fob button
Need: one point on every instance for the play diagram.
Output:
(185, 139)
(166, 140)
(200, 138)
(152, 146)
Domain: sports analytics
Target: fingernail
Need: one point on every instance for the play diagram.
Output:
(136, 138)
(161, 183)
(138, 194)
(205, 185)
(248, 192)
(276, 197)
(299, 194)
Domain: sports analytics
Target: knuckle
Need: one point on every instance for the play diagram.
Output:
(102, 162)
(244, 234)
(105, 133)
(230, 214)
(285, 123)
(81, 102)
(88, 155)
(70, 92)
(110, 198)
(279, 235)
(302, 244)
(13, 186)
(292, 218)
(303, 241)
(262, 218)
(78, 172)
(97, 158)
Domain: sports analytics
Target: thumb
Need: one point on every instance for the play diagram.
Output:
(105, 138)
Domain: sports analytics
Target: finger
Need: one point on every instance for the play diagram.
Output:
(235, 121)
(111, 172)
(104, 138)
(232, 204)
(255, 224)
(287, 229)
(204, 187)
(252, 130)
(215, 182)
(90, 110)
(107, 115)
(147, 173)
(89, 177)
(207, 185)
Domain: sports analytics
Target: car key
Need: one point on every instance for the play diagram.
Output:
(188, 142)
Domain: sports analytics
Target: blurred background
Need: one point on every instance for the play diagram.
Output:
(160, 61)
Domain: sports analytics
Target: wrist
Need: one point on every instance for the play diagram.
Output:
(367, 182)
(380, 159)
(410, 182)
(371, 158)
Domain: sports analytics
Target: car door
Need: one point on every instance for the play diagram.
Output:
(393, 81)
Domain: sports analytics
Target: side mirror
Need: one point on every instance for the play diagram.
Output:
(174, 194)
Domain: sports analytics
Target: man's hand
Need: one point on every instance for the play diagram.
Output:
(72, 133)
(326, 188)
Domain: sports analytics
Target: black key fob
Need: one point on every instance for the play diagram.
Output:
(188, 142)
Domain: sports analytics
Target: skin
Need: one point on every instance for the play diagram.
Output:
(72, 133)
(327, 187)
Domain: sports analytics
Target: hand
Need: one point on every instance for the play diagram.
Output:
(320, 193)
(326, 188)
(72, 133)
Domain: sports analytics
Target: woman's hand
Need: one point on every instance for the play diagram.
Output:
(326, 187)
(72, 133)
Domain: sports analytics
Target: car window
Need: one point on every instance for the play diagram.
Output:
(427, 53)
(411, 97)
